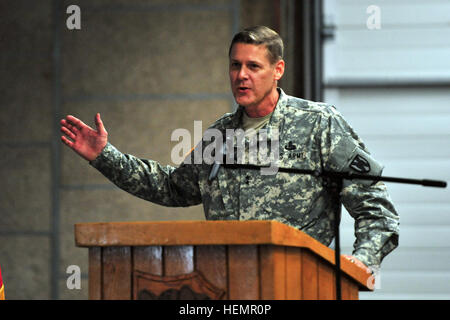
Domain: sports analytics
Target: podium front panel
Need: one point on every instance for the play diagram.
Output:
(234, 272)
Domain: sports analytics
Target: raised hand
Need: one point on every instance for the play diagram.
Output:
(82, 139)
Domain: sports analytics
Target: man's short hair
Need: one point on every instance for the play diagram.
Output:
(261, 35)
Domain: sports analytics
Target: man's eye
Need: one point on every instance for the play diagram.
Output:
(254, 66)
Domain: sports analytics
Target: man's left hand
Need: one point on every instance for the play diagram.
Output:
(357, 262)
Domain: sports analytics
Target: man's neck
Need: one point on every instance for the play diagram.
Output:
(265, 107)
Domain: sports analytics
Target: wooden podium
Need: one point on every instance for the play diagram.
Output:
(212, 260)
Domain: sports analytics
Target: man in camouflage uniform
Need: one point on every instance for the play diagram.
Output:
(310, 135)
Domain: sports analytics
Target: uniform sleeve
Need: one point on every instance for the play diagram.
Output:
(147, 179)
(376, 220)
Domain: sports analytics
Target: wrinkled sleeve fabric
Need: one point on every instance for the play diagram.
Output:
(376, 220)
(149, 180)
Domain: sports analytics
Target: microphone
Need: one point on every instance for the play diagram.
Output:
(214, 171)
(216, 164)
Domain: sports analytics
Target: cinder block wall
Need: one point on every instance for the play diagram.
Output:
(148, 67)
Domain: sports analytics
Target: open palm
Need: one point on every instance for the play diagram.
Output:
(82, 139)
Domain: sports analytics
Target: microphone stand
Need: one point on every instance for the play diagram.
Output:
(335, 181)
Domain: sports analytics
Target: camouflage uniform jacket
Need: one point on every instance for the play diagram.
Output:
(309, 133)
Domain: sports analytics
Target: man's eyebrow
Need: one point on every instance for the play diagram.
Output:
(248, 62)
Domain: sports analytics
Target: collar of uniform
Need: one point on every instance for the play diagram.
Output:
(275, 120)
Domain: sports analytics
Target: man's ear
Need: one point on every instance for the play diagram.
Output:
(279, 69)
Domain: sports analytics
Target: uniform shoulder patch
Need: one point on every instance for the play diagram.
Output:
(359, 164)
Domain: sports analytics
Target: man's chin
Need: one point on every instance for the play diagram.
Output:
(243, 102)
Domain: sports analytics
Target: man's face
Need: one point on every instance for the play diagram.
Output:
(252, 76)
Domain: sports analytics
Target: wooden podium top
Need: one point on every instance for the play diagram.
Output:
(177, 233)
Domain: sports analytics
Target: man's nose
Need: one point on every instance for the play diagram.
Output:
(242, 74)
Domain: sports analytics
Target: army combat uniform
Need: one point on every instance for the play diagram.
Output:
(312, 136)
